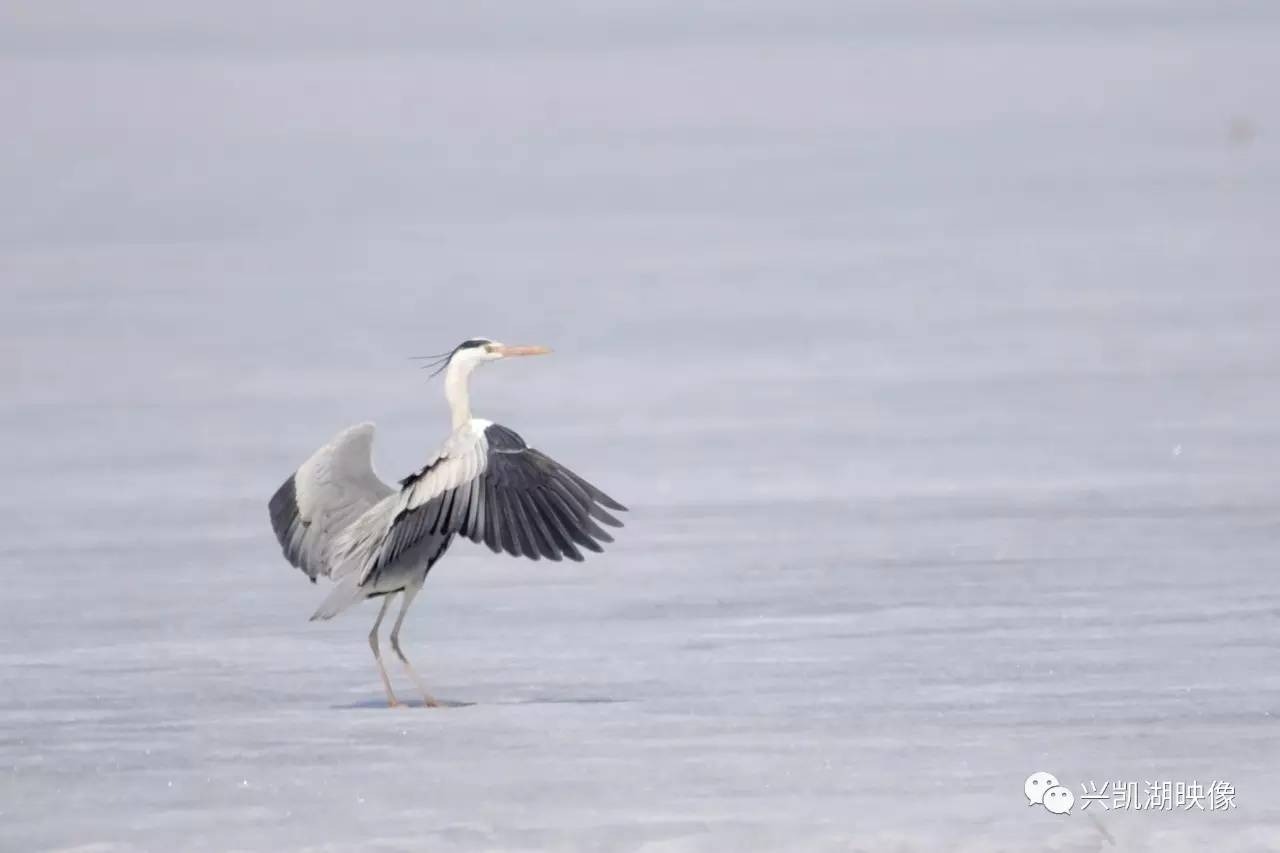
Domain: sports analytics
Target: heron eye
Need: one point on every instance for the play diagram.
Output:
(490, 348)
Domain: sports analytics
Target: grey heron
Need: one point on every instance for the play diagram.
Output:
(335, 517)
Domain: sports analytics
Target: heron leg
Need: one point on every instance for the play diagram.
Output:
(377, 655)
(405, 600)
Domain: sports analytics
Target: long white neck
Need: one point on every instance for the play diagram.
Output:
(456, 381)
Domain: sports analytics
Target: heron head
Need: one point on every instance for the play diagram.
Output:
(474, 351)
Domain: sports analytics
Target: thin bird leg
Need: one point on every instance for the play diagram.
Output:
(405, 600)
(377, 655)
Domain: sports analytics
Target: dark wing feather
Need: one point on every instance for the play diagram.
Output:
(539, 507)
(519, 501)
(328, 492)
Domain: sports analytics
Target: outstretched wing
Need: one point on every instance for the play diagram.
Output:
(491, 487)
(330, 491)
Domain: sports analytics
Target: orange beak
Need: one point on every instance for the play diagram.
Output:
(509, 351)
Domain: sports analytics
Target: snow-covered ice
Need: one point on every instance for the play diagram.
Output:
(935, 351)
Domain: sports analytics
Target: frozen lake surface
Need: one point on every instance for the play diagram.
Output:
(937, 357)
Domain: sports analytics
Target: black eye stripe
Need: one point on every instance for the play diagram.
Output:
(474, 342)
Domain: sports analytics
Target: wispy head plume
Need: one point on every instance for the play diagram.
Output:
(435, 363)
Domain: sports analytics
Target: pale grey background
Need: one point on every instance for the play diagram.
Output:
(934, 346)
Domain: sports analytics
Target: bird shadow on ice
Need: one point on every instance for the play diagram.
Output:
(562, 700)
(381, 704)
(446, 704)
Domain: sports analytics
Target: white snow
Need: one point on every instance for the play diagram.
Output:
(935, 348)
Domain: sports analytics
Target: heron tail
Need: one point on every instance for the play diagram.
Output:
(346, 593)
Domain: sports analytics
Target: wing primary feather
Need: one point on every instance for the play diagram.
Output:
(568, 485)
(585, 499)
(595, 493)
(528, 542)
(596, 531)
(465, 506)
(475, 511)
(457, 508)
(562, 538)
(475, 496)
(429, 513)
(510, 540)
(587, 507)
(589, 490)
(546, 541)
(583, 519)
(570, 522)
(600, 514)
(569, 495)
(445, 502)
(492, 520)
(531, 525)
